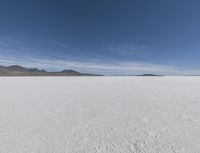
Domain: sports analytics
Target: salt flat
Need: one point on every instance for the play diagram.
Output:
(100, 115)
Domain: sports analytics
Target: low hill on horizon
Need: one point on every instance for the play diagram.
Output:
(17, 70)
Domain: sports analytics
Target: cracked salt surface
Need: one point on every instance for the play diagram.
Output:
(100, 115)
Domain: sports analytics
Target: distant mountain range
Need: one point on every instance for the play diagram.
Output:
(149, 75)
(16, 70)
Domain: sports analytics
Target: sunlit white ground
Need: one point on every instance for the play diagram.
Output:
(100, 115)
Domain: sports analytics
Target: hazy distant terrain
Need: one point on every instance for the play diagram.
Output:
(99, 115)
(16, 70)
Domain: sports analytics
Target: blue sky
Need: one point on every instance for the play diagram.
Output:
(106, 36)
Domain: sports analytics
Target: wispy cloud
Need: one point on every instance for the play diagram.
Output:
(14, 47)
(129, 50)
(22, 47)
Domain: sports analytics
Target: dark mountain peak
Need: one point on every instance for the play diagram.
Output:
(20, 68)
(151, 75)
(147, 74)
(43, 71)
(16, 68)
(68, 70)
(71, 71)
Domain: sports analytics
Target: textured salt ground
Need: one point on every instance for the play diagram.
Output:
(100, 115)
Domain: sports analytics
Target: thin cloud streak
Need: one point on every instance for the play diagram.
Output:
(129, 50)
(42, 49)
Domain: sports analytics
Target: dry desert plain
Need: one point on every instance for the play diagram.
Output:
(100, 114)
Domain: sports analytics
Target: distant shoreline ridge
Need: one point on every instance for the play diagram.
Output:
(17, 70)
